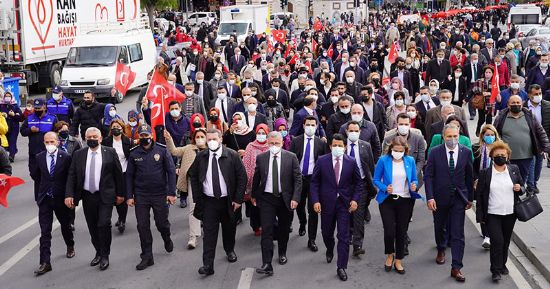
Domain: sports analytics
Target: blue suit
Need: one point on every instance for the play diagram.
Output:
(383, 176)
(451, 194)
(335, 201)
(297, 127)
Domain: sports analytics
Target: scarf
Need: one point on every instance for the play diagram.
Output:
(244, 130)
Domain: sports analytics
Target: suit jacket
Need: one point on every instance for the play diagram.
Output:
(290, 177)
(208, 93)
(230, 108)
(421, 108)
(110, 182)
(468, 73)
(297, 147)
(439, 72)
(407, 82)
(380, 119)
(485, 53)
(235, 91)
(434, 115)
(237, 64)
(126, 144)
(324, 188)
(367, 164)
(483, 189)
(260, 118)
(327, 110)
(335, 122)
(297, 127)
(233, 173)
(438, 179)
(58, 182)
(462, 89)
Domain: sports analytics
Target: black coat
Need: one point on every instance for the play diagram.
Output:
(462, 89)
(335, 122)
(86, 117)
(126, 144)
(439, 72)
(41, 175)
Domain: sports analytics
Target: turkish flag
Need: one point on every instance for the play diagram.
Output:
(495, 89)
(313, 45)
(318, 26)
(308, 65)
(124, 78)
(161, 93)
(6, 183)
(279, 35)
(288, 48)
(294, 59)
(269, 46)
(330, 51)
(393, 53)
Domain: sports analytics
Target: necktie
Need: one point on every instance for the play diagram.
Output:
(428, 105)
(52, 172)
(484, 159)
(275, 176)
(229, 90)
(305, 166)
(216, 177)
(475, 73)
(337, 170)
(451, 163)
(352, 151)
(438, 63)
(91, 184)
(223, 111)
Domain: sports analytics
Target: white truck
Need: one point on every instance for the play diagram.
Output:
(36, 35)
(238, 20)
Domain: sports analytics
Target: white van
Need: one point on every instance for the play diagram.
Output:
(91, 62)
(523, 14)
(200, 18)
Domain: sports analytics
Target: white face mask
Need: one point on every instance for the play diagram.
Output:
(175, 113)
(334, 99)
(56, 96)
(231, 81)
(51, 149)
(353, 136)
(199, 81)
(338, 151)
(345, 110)
(189, 92)
(537, 98)
(200, 142)
(397, 155)
(132, 123)
(308, 87)
(458, 74)
(514, 85)
(112, 113)
(275, 149)
(350, 79)
(246, 97)
(310, 130)
(217, 76)
(222, 95)
(445, 102)
(399, 102)
(240, 123)
(403, 129)
(213, 145)
(425, 97)
(261, 138)
(357, 117)
(411, 114)
(252, 107)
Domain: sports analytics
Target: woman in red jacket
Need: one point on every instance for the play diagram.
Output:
(503, 73)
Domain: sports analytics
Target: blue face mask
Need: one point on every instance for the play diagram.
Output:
(284, 133)
(489, 139)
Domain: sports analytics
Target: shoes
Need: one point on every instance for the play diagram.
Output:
(472, 117)
(266, 269)
(496, 277)
(192, 243)
(258, 232)
(486, 243)
(290, 229)
(103, 263)
(282, 259)
(402, 271)
(144, 264)
(505, 271)
(239, 221)
(72, 227)
(312, 246)
(302, 230)
(183, 203)
(342, 274)
(12, 159)
(43, 269)
(388, 268)
(357, 250)
(168, 245)
(206, 270)
(95, 261)
(407, 238)
(70, 252)
(330, 256)
(367, 216)
(117, 223)
(440, 259)
(232, 257)
(455, 273)
(121, 227)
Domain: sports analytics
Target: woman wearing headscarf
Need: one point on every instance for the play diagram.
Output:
(197, 121)
(249, 160)
(395, 86)
(281, 125)
(109, 114)
(239, 134)
(273, 110)
(131, 129)
(214, 121)
(13, 115)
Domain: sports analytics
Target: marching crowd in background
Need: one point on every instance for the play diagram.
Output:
(318, 122)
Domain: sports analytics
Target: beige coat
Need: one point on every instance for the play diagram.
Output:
(187, 155)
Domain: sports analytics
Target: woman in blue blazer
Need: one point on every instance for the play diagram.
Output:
(396, 180)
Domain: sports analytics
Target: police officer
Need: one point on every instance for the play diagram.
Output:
(35, 127)
(151, 181)
(60, 106)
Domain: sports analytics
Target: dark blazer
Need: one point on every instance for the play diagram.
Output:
(483, 190)
(233, 173)
(327, 110)
(335, 122)
(208, 93)
(126, 144)
(259, 119)
(297, 127)
(323, 183)
(297, 147)
(468, 72)
(111, 180)
(462, 89)
(41, 175)
(421, 108)
(230, 104)
(290, 176)
(367, 163)
(235, 91)
(380, 118)
(237, 64)
(439, 72)
(485, 52)
(437, 176)
(407, 82)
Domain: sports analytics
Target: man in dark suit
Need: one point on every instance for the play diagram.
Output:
(225, 104)
(473, 70)
(449, 191)
(342, 116)
(276, 190)
(50, 173)
(233, 90)
(237, 62)
(95, 177)
(402, 74)
(489, 51)
(308, 148)
(457, 85)
(218, 181)
(252, 116)
(204, 89)
(336, 188)
(276, 89)
(330, 107)
(297, 128)
(426, 102)
(438, 68)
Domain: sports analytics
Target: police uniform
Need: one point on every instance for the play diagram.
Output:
(44, 124)
(63, 109)
(151, 177)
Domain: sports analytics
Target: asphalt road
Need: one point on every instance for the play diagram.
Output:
(19, 254)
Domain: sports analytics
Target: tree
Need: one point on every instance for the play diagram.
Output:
(151, 5)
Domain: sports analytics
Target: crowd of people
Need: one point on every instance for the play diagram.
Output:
(319, 124)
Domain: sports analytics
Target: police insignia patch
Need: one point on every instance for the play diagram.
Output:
(157, 157)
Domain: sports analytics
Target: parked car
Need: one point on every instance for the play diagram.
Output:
(540, 34)
(199, 18)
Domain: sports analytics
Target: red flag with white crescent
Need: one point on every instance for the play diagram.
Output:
(279, 35)
(313, 45)
(294, 59)
(495, 89)
(124, 78)
(6, 183)
(393, 53)
(330, 51)
(318, 26)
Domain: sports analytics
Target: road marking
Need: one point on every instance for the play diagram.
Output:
(516, 276)
(246, 278)
(18, 230)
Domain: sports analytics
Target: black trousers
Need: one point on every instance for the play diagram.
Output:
(311, 216)
(395, 215)
(500, 228)
(46, 209)
(122, 209)
(484, 117)
(144, 204)
(216, 213)
(98, 217)
(253, 213)
(358, 221)
(273, 210)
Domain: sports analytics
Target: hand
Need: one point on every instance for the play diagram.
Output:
(475, 184)
(517, 187)
(352, 206)
(69, 202)
(233, 127)
(119, 200)
(235, 206)
(293, 205)
(131, 202)
(167, 135)
(317, 207)
(389, 189)
(11, 113)
(253, 201)
(449, 77)
(171, 200)
(324, 139)
(178, 172)
(241, 153)
(413, 187)
(469, 205)
(432, 205)
(34, 129)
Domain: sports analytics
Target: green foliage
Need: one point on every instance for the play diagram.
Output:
(159, 4)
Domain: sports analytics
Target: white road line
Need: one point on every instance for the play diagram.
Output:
(516, 276)
(18, 230)
(246, 278)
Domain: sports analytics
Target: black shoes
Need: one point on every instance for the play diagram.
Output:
(232, 257)
(72, 227)
(342, 274)
(169, 245)
(402, 271)
(367, 216)
(103, 263)
(505, 271)
(121, 226)
(144, 264)
(266, 269)
(330, 256)
(70, 252)
(206, 270)
(282, 259)
(183, 203)
(95, 261)
(43, 269)
(312, 246)
(496, 277)
(357, 250)
(302, 230)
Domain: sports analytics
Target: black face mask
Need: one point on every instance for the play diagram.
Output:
(145, 141)
(92, 143)
(500, 160)
(515, 108)
(39, 112)
(197, 124)
(271, 102)
(301, 86)
(64, 134)
(213, 118)
(116, 131)
(365, 98)
(88, 102)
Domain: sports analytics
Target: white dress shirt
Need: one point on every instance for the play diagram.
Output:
(455, 154)
(218, 105)
(251, 120)
(356, 156)
(369, 108)
(536, 110)
(98, 165)
(269, 181)
(207, 184)
(431, 102)
(399, 182)
(457, 91)
(311, 155)
(49, 159)
(400, 75)
(117, 145)
(501, 193)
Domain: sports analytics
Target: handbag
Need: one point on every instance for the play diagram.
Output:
(478, 101)
(527, 208)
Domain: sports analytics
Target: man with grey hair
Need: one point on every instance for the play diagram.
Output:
(204, 89)
(276, 190)
(446, 111)
(434, 114)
